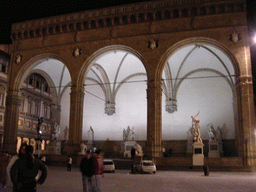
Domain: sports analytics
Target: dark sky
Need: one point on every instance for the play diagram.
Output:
(12, 11)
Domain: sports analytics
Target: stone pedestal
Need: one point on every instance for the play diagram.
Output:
(54, 148)
(198, 154)
(126, 148)
(214, 149)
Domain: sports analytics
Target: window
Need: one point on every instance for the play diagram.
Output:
(29, 106)
(1, 99)
(36, 108)
(22, 105)
(45, 110)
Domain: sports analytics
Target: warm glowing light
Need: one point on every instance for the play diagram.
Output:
(254, 38)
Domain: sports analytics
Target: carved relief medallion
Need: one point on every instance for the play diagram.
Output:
(77, 52)
(152, 43)
(18, 58)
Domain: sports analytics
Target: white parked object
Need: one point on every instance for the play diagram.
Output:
(109, 165)
(146, 166)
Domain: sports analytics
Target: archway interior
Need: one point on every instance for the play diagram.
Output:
(58, 78)
(198, 78)
(115, 97)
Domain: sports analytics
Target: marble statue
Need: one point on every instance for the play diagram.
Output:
(66, 133)
(56, 134)
(18, 59)
(196, 128)
(138, 150)
(90, 134)
(77, 52)
(128, 134)
(219, 132)
(212, 133)
(83, 148)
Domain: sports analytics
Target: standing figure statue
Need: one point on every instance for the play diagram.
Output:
(196, 128)
(56, 134)
(213, 135)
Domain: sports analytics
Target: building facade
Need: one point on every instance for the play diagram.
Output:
(172, 39)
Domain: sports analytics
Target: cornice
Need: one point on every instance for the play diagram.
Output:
(123, 15)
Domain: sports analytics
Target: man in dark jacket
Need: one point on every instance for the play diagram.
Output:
(24, 172)
(87, 169)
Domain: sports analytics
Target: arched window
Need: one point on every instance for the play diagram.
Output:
(29, 107)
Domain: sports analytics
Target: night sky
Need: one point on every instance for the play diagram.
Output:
(22, 10)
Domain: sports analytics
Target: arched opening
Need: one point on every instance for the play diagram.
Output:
(199, 77)
(115, 99)
(41, 86)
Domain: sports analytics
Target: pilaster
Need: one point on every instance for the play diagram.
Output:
(154, 129)
(11, 121)
(247, 137)
(76, 119)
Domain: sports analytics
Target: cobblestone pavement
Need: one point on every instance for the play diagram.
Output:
(60, 180)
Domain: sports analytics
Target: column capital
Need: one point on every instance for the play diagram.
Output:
(77, 89)
(244, 80)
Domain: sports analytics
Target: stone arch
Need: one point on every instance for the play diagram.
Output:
(195, 40)
(26, 68)
(49, 81)
(88, 63)
(233, 63)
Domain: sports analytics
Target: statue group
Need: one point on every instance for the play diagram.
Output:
(128, 134)
(195, 129)
(56, 134)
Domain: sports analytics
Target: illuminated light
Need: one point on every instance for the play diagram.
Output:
(254, 38)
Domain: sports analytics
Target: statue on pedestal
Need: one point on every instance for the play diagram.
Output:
(196, 128)
(212, 133)
(90, 138)
(56, 134)
(83, 148)
(128, 134)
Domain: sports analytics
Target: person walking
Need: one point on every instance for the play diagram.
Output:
(4, 160)
(98, 170)
(24, 172)
(69, 163)
(87, 169)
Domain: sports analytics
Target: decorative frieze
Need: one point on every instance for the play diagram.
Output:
(122, 15)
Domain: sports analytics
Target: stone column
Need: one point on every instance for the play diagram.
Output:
(246, 140)
(11, 121)
(154, 128)
(76, 119)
